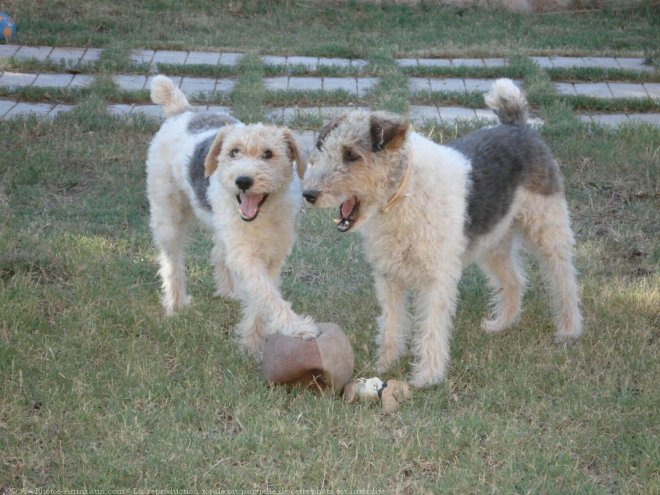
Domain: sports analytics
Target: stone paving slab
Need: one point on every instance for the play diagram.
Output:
(38, 109)
(230, 59)
(149, 110)
(419, 84)
(169, 57)
(365, 84)
(119, 109)
(203, 58)
(224, 85)
(276, 83)
(456, 113)
(568, 62)
(478, 85)
(543, 62)
(5, 106)
(434, 62)
(218, 109)
(67, 54)
(627, 90)
(652, 89)
(130, 82)
(60, 108)
(8, 51)
(308, 62)
(467, 62)
(610, 120)
(565, 89)
(336, 83)
(486, 114)
(36, 52)
(648, 118)
(447, 84)
(634, 64)
(273, 60)
(407, 62)
(91, 55)
(142, 56)
(421, 114)
(597, 90)
(16, 79)
(601, 62)
(334, 62)
(53, 80)
(305, 84)
(495, 62)
(81, 80)
(191, 85)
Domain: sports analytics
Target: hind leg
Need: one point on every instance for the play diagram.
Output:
(171, 220)
(548, 233)
(507, 279)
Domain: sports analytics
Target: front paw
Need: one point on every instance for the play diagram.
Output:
(253, 345)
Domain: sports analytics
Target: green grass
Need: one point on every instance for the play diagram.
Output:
(333, 29)
(101, 391)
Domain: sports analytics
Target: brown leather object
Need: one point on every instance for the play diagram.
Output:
(321, 364)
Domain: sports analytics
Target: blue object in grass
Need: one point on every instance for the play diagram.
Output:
(7, 27)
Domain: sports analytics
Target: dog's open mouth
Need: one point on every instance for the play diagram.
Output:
(249, 204)
(348, 214)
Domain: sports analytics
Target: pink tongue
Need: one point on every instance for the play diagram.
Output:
(250, 204)
(347, 207)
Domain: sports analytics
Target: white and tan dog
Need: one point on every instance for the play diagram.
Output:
(427, 210)
(243, 183)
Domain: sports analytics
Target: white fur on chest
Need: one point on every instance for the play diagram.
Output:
(425, 230)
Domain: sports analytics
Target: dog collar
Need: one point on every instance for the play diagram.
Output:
(398, 194)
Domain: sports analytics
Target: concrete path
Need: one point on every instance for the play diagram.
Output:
(354, 85)
(78, 55)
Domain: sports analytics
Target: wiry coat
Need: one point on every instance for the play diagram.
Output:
(242, 183)
(426, 210)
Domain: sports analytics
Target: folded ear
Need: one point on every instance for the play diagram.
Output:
(293, 152)
(388, 131)
(211, 161)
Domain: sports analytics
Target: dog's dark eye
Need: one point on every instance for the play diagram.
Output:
(234, 152)
(350, 156)
(267, 155)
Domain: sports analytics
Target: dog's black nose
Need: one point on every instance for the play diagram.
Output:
(244, 183)
(310, 195)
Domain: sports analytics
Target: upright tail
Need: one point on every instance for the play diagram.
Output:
(164, 92)
(508, 102)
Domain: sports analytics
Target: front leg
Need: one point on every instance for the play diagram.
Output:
(261, 296)
(393, 324)
(224, 287)
(436, 304)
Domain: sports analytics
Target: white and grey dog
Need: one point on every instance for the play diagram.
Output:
(243, 183)
(427, 210)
